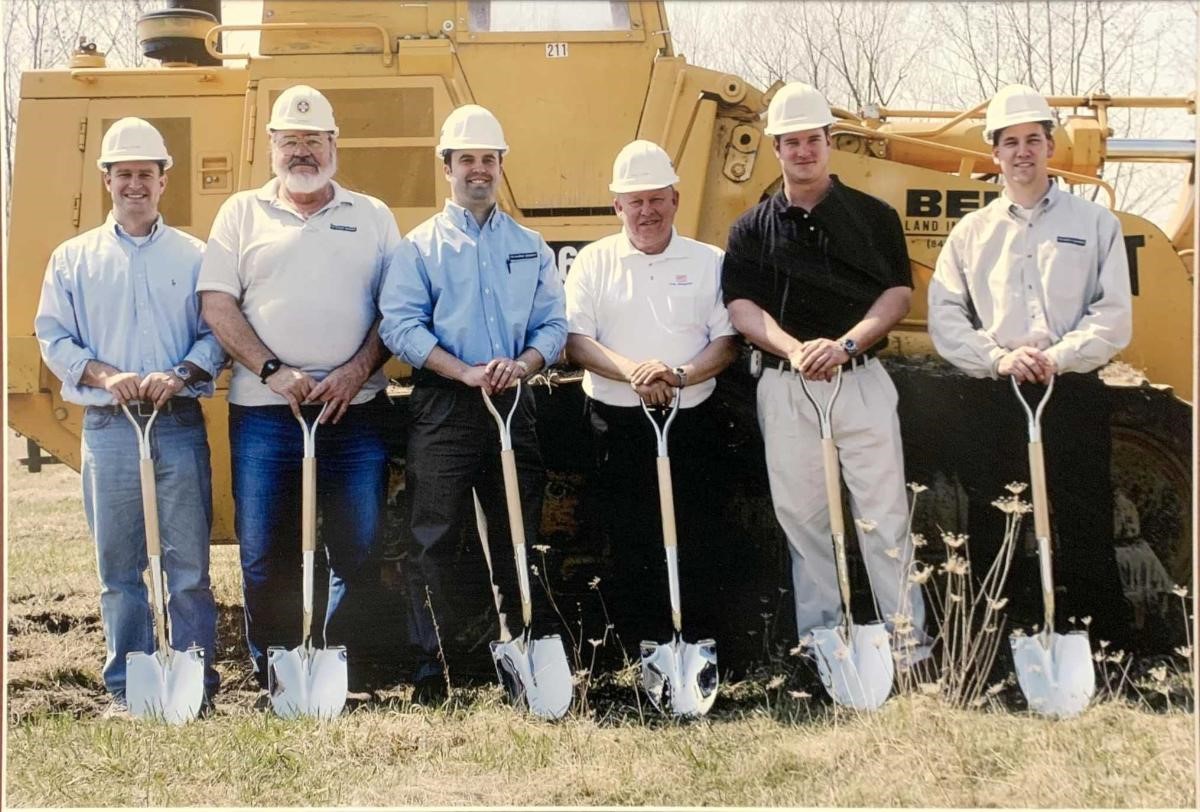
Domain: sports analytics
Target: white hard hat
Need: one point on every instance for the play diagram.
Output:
(1015, 104)
(301, 107)
(795, 107)
(641, 166)
(471, 127)
(133, 139)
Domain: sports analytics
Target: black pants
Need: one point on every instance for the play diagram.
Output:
(1078, 450)
(454, 446)
(626, 483)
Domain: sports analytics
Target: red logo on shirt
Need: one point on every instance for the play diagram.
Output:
(681, 279)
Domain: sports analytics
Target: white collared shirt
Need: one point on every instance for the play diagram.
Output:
(1055, 277)
(666, 306)
(308, 287)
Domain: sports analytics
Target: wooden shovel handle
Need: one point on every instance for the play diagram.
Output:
(150, 507)
(308, 505)
(833, 487)
(516, 526)
(666, 501)
(1037, 483)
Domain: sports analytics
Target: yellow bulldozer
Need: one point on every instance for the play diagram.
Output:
(572, 83)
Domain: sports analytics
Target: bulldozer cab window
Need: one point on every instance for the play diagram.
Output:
(537, 15)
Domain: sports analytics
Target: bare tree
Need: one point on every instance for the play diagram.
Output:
(42, 34)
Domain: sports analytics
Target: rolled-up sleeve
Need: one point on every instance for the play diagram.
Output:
(1107, 324)
(406, 306)
(56, 327)
(219, 270)
(580, 298)
(953, 325)
(547, 331)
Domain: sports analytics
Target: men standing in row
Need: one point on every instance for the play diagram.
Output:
(290, 285)
(816, 276)
(475, 305)
(119, 323)
(1035, 286)
(646, 322)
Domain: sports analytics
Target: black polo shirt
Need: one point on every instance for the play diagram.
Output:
(816, 272)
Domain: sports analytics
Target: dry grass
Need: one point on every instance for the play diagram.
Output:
(761, 747)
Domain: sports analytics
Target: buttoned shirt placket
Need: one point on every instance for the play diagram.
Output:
(142, 311)
(1029, 289)
(485, 269)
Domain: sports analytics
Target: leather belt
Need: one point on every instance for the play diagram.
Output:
(771, 361)
(140, 408)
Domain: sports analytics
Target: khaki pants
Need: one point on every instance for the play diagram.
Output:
(867, 432)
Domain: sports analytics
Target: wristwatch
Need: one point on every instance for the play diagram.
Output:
(270, 368)
(682, 376)
(183, 372)
(850, 346)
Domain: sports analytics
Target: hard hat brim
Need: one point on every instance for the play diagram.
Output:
(442, 149)
(102, 164)
(276, 126)
(786, 127)
(1031, 118)
(625, 188)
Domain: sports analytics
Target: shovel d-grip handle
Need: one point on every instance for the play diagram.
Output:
(150, 520)
(666, 504)
(308, 518)
(512, 497)
(1041, 501)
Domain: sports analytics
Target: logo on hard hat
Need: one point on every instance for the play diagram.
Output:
(302, 105)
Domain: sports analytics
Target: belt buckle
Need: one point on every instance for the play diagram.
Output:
(144, 408)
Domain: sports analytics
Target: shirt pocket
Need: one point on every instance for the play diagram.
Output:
(682, 311)
(520, 283)
(1068, 277)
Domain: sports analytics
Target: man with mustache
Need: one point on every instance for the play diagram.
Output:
(646, 322)
(119, 323)
(1035, 286)
(816, 276)
(473, 301)
(290, 282)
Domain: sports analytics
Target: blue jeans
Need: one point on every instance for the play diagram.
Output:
(112, 500)
(267, 447)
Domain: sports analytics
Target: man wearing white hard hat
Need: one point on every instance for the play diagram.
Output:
(1035, 286)
(290, 284)
(816, 276)
(473, 301)
(646, 320)
(119, 323)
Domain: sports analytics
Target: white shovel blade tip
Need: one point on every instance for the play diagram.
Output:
(1058, 681)
(858, 675)
(171, 693)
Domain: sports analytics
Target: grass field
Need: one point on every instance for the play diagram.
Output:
(761, 746)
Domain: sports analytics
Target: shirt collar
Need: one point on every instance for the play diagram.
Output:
(155, 228)
(269, 192)
(465, 220)
(626, 248)
(780, 203)
(1046, 202)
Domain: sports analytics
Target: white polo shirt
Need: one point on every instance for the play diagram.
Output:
(666, 306)
(309, 288)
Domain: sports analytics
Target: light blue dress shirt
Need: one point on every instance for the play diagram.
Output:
(478, 293)
(107, 298)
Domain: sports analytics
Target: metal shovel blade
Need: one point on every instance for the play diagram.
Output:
(535, 672)
(170, 688)
(679, 676)
(1057, 680)
(307, 681)
(857, 674)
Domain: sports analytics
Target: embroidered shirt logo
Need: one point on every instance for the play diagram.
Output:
(680, 280)
(1073, 240)
(336, 227)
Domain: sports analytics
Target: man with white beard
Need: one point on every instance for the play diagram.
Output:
(290, 285)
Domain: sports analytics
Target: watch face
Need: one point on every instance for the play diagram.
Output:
(182, 372)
